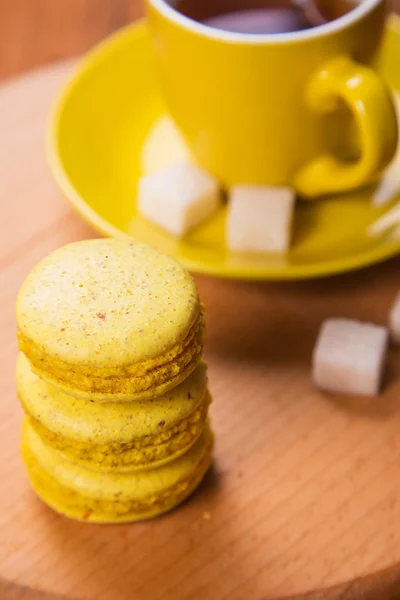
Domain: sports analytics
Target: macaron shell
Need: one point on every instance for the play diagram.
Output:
(114, 423)
(149, 452)
(137, 485)
(138, 381)
(107, 303)
(166, 494)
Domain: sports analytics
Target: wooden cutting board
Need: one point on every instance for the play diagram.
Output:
(305, 489)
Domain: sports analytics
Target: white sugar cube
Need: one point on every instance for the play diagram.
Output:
(389, 185)
(260, 218)
(178, 197)
(349, 357)
(394, 320)
(164, 146)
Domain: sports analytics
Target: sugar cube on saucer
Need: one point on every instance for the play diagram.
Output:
(178, 197)
(260, 218)
(164, 146)
(349, 357)
(394, 320)
(388, 187)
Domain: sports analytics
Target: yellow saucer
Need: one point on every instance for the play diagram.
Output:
(110, 122)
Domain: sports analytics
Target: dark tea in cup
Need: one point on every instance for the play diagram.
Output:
(264, 16)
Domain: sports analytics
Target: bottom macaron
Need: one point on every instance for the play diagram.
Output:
(86, 495)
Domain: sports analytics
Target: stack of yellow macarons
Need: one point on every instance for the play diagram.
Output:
(112, 382)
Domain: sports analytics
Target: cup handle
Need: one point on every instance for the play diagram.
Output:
(370, 101)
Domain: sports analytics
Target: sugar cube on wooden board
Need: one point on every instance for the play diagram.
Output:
(394, 320)
(259, 218)
(178, 197)
(349, 357)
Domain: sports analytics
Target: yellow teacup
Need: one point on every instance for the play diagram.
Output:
(271, 108)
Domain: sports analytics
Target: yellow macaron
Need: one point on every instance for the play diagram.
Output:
(110, 320)
(98, 497)
(120, 436)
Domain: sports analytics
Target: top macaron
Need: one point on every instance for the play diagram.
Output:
(110, 320)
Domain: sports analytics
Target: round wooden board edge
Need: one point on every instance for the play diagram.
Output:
(381, 585)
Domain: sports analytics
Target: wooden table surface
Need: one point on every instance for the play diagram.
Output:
(35, 32)
(38, 32)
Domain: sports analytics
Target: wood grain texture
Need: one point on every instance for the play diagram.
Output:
(37, 32)
(304, 493)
